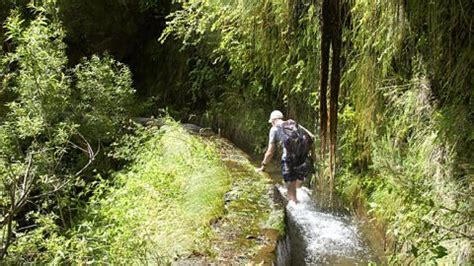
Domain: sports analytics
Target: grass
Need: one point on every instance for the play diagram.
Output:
(168, 198)
(157, 210)
(182, 198)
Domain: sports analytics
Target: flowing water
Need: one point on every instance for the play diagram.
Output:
(315, 237)
(322, 232)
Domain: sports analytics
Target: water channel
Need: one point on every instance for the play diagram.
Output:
(319, 230)
(322, 232)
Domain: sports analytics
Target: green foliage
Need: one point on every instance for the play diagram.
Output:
(46, 132)
(401, 156)
(405, 132)
(155, 211)
(128, 30)
(40, 82)
(104, 95)
(255, 56)
(35, 135)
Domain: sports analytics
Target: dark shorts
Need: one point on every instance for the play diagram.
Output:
(289, 174)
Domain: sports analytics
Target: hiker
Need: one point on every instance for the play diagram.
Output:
(296, 162)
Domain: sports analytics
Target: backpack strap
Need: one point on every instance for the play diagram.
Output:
(307, 131)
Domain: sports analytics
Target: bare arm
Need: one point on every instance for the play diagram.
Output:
(268, 156)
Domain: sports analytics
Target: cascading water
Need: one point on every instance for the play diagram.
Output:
(315, 237)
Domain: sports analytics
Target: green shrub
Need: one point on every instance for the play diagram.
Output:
(104, 95)
(50, 135)
(156, 210)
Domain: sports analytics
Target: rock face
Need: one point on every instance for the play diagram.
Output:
(195, 129)
(149, 121)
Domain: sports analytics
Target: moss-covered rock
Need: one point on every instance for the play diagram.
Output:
(252, 224)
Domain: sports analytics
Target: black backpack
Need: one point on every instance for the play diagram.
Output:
(297, 143)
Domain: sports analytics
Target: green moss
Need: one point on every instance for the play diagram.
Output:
(249, 212)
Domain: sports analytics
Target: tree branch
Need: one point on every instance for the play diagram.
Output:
(91, 155)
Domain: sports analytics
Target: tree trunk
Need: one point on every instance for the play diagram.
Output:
(325, 46)
(331, 32)
(335, 83)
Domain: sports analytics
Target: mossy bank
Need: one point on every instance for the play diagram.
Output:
(181, 198)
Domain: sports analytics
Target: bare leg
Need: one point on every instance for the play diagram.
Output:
(291, 186)
(299, 183)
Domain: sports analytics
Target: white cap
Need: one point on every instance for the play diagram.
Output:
(275, 115)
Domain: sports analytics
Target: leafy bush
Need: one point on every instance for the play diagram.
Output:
(154, 211)
(45, 143)
(104, 94)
